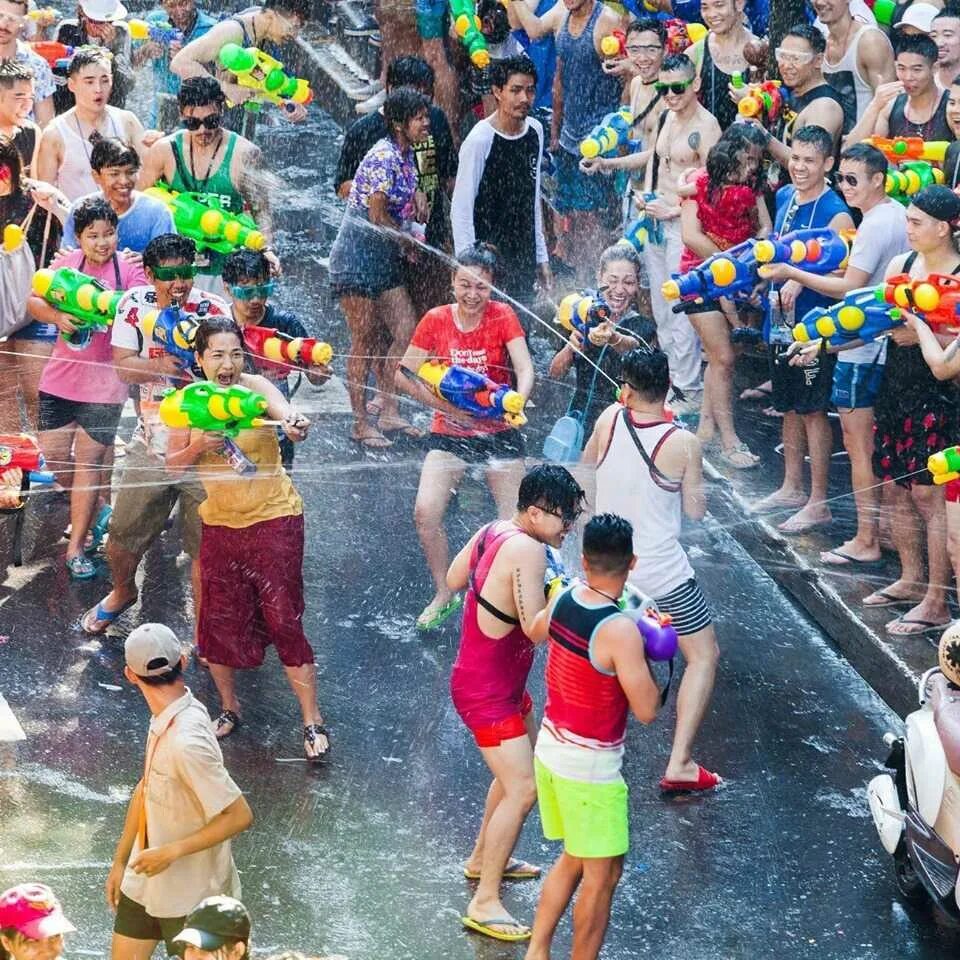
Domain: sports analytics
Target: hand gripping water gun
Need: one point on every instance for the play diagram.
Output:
(582, 312)
(614, 44)
(681, 34)
(55, 53)
(286, 352)
(473, 392)
(764, 101)
(660, 641)
(555, 576)
(644, 230)
(46, 17)
(174, 331)
(909, 178)
(936, 299)
(883, 11)
(859, 316)
(260, 72)
(201, 217)
(89, 303)
(205, 406)
(945, 465)
(611, 133)
(727, 273)
(898, 149)
(818, 250)
(20, 451)
(159, 31)
(467, 25)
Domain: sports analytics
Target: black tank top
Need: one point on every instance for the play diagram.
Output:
(579, 620)
(714, 89)
(936, 128)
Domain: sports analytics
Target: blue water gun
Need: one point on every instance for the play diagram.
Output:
(728, 273)
(611, 133)
(644, 230)
(473, 392)
(175, 331)
(583, 311)
(159, 31)
(860, 315)
(818, 250)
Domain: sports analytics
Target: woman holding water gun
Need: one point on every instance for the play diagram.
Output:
(485, 336)
(251, 545)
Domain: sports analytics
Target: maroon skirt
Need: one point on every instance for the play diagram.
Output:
(251, 594)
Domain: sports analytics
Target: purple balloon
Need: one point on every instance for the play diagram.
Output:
(659, 636)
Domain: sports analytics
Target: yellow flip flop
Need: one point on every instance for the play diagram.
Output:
(486, 928)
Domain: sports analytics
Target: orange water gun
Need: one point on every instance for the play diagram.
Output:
(935, 299)
(898, 149)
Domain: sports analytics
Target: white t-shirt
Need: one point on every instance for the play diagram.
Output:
(880, 237)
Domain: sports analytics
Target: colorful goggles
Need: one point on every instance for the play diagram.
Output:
(186, 271)
(253, 291)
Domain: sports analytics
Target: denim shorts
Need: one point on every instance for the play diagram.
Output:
(575, 190)
(431, 17)
(856, 385)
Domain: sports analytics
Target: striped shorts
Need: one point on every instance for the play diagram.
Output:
(687, 606)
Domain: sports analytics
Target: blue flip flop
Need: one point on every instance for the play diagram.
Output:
(101, 618)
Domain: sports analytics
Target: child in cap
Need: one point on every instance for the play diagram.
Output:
(218, 925)
(32, 923)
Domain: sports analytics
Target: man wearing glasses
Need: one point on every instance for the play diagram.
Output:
(148, 492)
(13, 18)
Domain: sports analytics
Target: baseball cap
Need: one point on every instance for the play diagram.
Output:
(103, 11)
(918, 15)
(33, 911)
(214, 922)
(152, 649)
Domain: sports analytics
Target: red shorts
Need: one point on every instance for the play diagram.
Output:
(509, 728)
(951, 491)
(251, 594)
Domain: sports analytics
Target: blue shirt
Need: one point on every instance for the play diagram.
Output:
(147, 218)
(543, 53)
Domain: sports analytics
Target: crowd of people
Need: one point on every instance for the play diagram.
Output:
(470, 208)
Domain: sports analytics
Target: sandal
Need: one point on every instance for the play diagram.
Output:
(405, 429)
(98, 531)
(227, 721)
(440, 613)
(80, 567)
(96, 620)
(373, 441)
(310, 733)
(740, 457)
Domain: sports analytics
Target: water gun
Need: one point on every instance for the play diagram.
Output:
(201, 217)
(612, 132)
(286, 352)
(258, 71)
(467, 25)
(644, 230)
(936, 299)
(909, 178)
(46, 17)
(882, 10)
(818, 250)
(860, 315)
(174, 331)
(473, 392)
(55, 53)
(681, 35)
(159, 31)
(89, 303)
(13, 237)
(555, 576)
(945, 465)
(727, 273)
(898, 149)
(582, 312)
(205, 406)
(660, 639)
(614, 44)
(763, 100)
(20, 451)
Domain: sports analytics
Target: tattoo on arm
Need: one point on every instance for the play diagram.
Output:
(693, 141)
(518, 590)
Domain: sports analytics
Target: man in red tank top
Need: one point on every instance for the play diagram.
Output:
(502, 569)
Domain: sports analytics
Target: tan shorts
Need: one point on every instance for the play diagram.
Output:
(147, 494)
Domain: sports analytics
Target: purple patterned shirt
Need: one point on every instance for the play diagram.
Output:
(388, 171)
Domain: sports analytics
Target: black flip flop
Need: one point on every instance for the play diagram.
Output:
(223, 718)
(888, 601)
(310, 733)
(848, 560)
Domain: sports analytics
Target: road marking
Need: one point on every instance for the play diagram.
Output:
(10, 729)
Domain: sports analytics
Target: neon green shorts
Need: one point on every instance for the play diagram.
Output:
(590, 818)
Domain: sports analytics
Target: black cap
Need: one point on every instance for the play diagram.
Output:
(214, 922)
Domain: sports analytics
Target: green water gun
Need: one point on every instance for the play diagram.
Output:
(260, 72)
(467, 25)
(89, 303)
(205, 406)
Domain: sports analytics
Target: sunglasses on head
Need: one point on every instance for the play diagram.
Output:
(186, 271)
(850, 178)
(677, 87)
(253, 291)
(210, 123)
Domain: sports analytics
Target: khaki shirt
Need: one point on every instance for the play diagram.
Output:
(186, 788)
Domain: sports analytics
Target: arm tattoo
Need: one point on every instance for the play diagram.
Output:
(693, 141)
(518, 589)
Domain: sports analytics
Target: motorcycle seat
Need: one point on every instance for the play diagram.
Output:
(945, 701)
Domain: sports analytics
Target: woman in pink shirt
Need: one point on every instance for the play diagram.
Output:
(81, 396)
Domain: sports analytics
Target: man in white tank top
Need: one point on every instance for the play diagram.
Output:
(651, 473)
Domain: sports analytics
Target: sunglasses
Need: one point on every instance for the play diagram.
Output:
(676, 88)
(792, 56)
(186, 271)
(566, 515)
(850, 178)
(212, 122)
(253, 291)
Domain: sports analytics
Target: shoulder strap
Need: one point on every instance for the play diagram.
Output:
(656, 474)
(176, 146)
(483, 602)
(910, 261)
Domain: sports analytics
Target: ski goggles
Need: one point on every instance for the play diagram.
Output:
(676, 88)
(211, 122)
(253, 291)
(185, 271)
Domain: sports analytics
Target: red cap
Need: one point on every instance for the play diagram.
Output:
(33, 911)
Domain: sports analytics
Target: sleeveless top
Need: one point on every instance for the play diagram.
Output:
(489, 676)
(650, 501)
(714, 89)
(936, 128)
(844, 76)
(582, 698)
(588, 93)
(75, 177)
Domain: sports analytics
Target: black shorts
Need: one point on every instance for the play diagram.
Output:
(692, 307)
(98, 420)
(134, 922)
(801, 389)
(506, 445)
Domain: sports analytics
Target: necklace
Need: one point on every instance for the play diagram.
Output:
(193, 168)
(613, 600)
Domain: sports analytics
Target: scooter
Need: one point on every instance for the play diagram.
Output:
(916, 808)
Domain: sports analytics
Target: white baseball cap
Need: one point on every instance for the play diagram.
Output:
(104, 11)
(918, 15)
(152, 649)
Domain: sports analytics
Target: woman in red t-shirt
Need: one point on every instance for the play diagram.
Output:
(483, 335)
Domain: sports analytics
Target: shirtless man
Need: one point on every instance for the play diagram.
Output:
(687, 131)
(857, 60)
(945, 33)
(502, 568)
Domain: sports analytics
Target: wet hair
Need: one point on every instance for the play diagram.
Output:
(494, 23)
(608, 543)
(402, 105)
(113, 152)
(410, 72)
(649, 25)
(299, 8)
(210, 327)
(168, 246)
(619, 252)
(817, 137)
(164, 679)
(647, 371)
(949, 11)
(245, 264)
(551, 486)
(12, 72)
(200, 92)
(921, 45)
(10, 157)
(940, 202)
(87, 57)
(805, 31)
(481, 256)
(502, 70)
(868, 155)
(726, 155)
(90, 211)
(678, 63)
